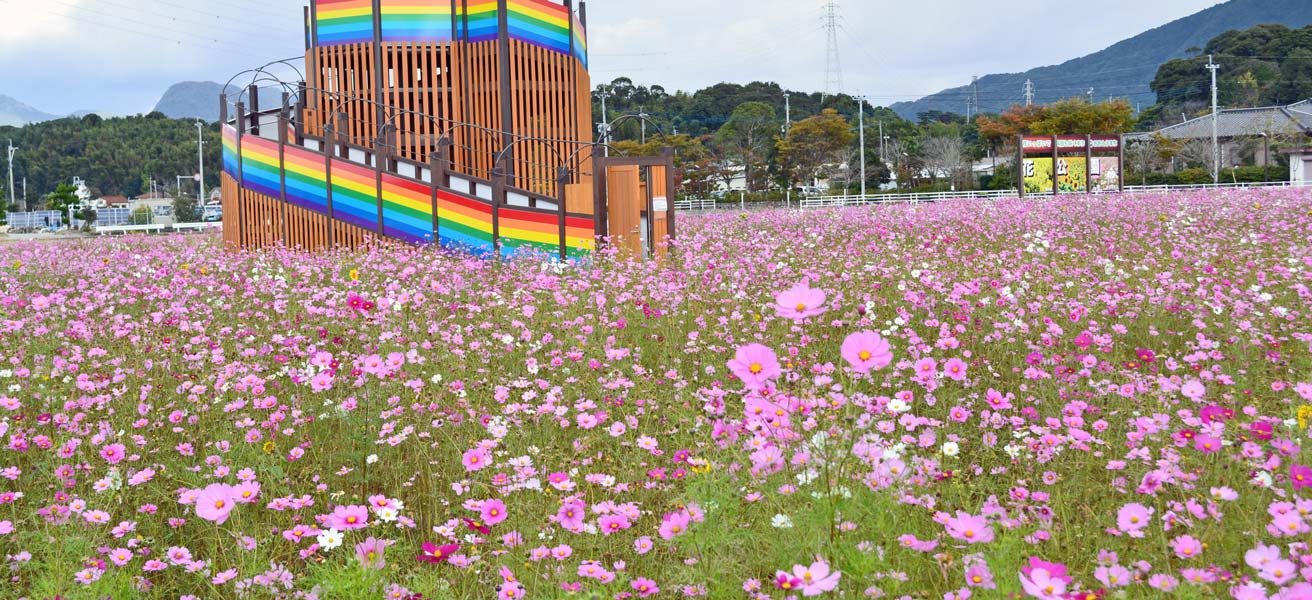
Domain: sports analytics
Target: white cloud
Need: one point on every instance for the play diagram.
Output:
(35, 22)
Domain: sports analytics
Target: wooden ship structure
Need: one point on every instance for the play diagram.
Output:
(455, 123)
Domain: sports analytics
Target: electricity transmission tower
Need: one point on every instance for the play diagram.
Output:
(1029, 92)
(833, 62)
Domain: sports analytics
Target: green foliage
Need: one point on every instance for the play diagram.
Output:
(813, 144)
(748, 136)
(1266, 65)
(60, 199)
(143, 215)
(186, 209)
(112, 155)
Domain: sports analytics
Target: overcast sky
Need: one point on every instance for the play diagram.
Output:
(120, 55)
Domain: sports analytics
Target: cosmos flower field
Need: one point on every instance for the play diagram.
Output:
(1079, 398)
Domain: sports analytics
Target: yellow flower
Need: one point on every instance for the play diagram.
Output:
(18, 263)
(268, 447)
(354, 275)
(186, 266)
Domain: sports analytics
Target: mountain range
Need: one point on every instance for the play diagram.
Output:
(1123, 70)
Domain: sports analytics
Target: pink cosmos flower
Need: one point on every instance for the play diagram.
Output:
(613, 523)
(955, 369)
(674, 525)
(969, 528)
(1132, 518)
(348, 517)
(644, 587)
(1193, 390)
(817, 578)
(370, 553)
(434, 554)
(1041, 584)
(755, 365)
(476, 459)
(493, 512)
(800, 302)
(215, 503)
(113, 453)
(1300, 476)
(1186, 546)
(1207, 444)
(866, 351)
(571, 514)
(979, 575)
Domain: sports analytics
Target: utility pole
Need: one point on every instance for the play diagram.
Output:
(1029, 92)
(643, 113)
(833, 64)
(861, 125)
(603, 128)
(200, 161)
(788, 113)
(22, 205)
(883, 158)
(1216, 148)
(1090, 92)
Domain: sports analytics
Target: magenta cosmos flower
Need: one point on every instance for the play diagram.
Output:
(215, 502)
(432, 553)
(493, 512)
(755, 365)
(800, 302)
(866, 351)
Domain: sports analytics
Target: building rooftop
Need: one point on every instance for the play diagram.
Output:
(1239, 122)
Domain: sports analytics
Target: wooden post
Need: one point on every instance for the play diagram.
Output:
(1120, 166)
(241, 209)
(507, 105)
(437, 166)
(599, 195)
(255, 109)
(562, 175)
(669, 197)
(381, 150)
(1056, 189)
(499, 177)
(282, 166)
(1088, 164)
(1020, 165)
(329, 142)
(650, 208)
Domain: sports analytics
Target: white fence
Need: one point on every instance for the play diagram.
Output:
(832, 201)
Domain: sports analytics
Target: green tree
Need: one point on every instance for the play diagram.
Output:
(186, 209)
(64, 196)
(814, 145)
(1078, 116)
(748, 135)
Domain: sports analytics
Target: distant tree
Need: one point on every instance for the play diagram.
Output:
(814, 145)
(186, 209)
(1016, 121)
(748, 134)
(943, 156)
(938, 116)
(1078, 116)
(64, 196)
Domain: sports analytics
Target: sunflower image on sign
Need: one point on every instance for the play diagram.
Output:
(1038, 175)
(1071, 174)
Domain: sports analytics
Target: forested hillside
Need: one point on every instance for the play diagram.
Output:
(115, 156)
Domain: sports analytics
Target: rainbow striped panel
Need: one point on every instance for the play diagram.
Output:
(539, 22)
(481, 20)
(340, 22)
(415, 20)
(307, 187)
(580, 41)
(355, 194)
(529, 231)
(464, 223)
(261, 169)
(230, 151)
(407, 210)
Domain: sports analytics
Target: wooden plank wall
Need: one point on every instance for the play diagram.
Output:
(253, 220)
(551, 98)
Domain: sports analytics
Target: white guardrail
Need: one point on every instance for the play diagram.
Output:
(832, 201)
(157, 228)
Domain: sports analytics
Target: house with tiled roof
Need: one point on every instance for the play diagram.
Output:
(1234, 126)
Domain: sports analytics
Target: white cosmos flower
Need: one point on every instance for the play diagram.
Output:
(781, 521)
(329, 539)
(951, 449)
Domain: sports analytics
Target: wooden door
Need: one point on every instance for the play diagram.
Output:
(625, 200)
